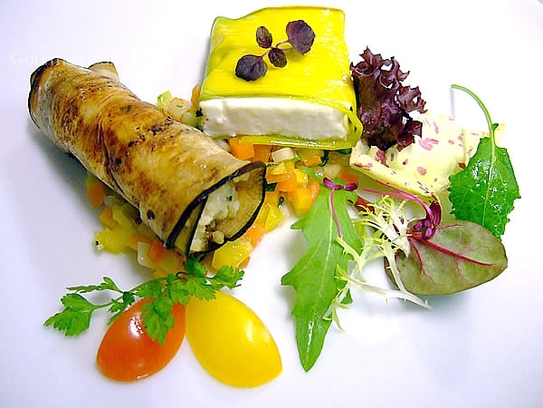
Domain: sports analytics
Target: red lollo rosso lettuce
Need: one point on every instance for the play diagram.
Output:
(384, 103)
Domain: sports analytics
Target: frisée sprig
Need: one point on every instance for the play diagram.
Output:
(164, 292)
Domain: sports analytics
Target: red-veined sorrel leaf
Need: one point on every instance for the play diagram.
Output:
(460, 256)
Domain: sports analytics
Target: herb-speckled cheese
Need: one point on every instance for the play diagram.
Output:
(422, 168)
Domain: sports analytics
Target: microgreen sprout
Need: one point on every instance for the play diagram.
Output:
(300, 36)
(335, 186)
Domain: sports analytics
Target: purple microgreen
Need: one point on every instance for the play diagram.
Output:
(277, 57)
(251, 67)
(300, 36)
(263, 37)
(335, 186)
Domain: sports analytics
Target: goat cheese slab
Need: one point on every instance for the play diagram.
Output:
(308, 103)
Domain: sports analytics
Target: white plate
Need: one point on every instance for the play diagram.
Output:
(479, 348)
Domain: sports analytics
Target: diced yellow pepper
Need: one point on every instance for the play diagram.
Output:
(113, 240)
(302, 178)
(106, 218)
(233, 253)
(273, 219)
(124, 214)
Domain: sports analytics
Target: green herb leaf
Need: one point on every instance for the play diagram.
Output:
(163, 293)
(178, 292)
(71, 322)
(76, 302)
(76, 316)
(107, 284)
(149, 289)
(194, 267)
(199, 291)
(459, 256)
(484, 192)
(157, 318)
(227, 276)
(314, 276)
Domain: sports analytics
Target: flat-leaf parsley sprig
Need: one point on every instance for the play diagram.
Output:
(300, 36)
(164, 292)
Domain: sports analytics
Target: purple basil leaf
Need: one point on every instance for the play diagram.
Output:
(277, 57)
(300, 36)
(263, 37)
(459, 256)
(251, 67)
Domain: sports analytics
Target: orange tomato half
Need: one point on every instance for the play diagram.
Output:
(127, 353)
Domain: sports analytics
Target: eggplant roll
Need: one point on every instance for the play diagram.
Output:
(192, 193)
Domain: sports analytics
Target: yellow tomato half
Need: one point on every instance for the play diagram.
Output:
(231, 342)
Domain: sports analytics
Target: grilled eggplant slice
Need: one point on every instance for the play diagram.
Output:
(192, 193)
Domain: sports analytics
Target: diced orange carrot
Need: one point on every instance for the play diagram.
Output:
(240, 149)
(244, 263)
(106, 217)
(289, 184)
(262, 153)
(136, 237)
(96, 192)
(312, 161)
(156, 251)
(347, 176)
(255, 233)
(272, 178)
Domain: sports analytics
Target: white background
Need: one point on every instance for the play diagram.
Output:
(480, 348)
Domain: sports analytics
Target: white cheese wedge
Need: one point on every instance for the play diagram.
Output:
(264, 116)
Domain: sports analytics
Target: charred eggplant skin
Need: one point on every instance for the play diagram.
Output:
(164, 168)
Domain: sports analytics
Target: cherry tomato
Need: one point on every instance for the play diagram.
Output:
(231, 342)
(127, 353)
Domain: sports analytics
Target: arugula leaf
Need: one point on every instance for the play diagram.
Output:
(314, 276)
(164, 292)
(484, 192)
